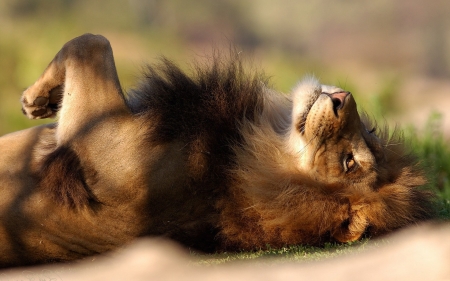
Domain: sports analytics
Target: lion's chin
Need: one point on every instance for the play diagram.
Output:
(346, 237)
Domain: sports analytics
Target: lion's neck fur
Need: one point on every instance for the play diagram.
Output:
(270, 154)
(277, 110)
(266, 180)
(282, 112)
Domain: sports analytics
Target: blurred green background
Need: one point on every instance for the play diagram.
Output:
(393, 55)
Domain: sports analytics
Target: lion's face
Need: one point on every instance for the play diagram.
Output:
(329, 175)
(338, 151)
(331, 139)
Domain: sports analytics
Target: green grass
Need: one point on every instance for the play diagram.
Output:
(298, 253)
(434, 154)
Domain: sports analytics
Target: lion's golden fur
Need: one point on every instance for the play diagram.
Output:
(214, 160)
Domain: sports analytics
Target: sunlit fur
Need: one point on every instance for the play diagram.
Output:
(268, 194)
(214, 159)
(276, 199)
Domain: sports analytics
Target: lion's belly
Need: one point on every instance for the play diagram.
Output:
(16, 152)
(15, 164)
(136, 195)
(38, 230)
(34, 228)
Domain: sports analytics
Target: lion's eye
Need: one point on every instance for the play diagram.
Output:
(349, 163)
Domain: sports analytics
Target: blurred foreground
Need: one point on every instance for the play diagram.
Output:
(421, 253)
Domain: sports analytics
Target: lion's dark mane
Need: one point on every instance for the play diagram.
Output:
(208, 112)
(204, 111)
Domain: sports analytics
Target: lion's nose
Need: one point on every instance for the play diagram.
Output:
(338, 99)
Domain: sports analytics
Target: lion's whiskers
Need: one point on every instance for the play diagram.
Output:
(392, 144)
(302, 151)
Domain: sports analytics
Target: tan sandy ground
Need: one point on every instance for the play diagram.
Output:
(421, 253)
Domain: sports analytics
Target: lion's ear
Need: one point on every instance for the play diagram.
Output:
(61, 176)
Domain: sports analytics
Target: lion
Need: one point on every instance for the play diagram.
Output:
(215, 160)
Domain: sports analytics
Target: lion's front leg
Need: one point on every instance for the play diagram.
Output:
(81, 83)
(42, 99)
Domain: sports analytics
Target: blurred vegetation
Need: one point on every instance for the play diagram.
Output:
(357, 44)
(367, 47)
(434, 153)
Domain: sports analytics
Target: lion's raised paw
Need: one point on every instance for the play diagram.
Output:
(40, 104)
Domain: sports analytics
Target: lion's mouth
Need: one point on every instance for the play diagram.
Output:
(338, 99)
(302, 123)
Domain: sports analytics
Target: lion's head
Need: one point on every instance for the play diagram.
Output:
(347, 158)
(332, 142)
(331, 175)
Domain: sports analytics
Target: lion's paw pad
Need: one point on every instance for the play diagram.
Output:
(38, 106)
(40, 101)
